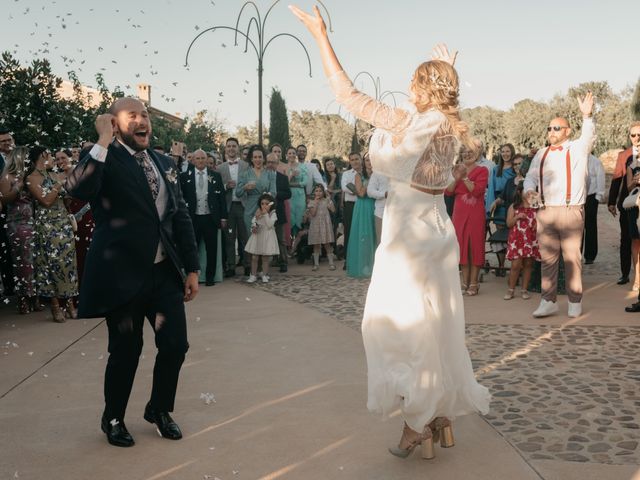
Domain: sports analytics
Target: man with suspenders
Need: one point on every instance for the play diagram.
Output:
(559, 174)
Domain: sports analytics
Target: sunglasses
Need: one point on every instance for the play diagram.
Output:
(555, 128)
(634, 135)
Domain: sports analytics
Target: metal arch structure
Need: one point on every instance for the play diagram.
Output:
(259, 46)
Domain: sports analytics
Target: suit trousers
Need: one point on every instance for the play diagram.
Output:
(625, 244)
(206, 229)
(590, 245)
(347, 216)
(560, 230)
(161, 301)
(282, 258)
(378, 225)
(236, 230)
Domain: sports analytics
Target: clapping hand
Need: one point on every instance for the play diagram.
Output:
(586, 105)
(459, 172)
(441, 52)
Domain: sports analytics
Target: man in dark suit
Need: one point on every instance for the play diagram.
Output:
(617, 193)
(143, 262)
(204, 194)
(283, 192)
(6, 262)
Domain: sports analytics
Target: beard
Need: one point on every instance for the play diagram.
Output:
(135, 142)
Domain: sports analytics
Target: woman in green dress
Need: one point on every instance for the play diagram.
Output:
(55, 253)
(297, 181)
(253, 182)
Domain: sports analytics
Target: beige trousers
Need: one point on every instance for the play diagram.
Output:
(560, 230)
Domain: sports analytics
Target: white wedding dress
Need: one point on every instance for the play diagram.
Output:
(413, 325)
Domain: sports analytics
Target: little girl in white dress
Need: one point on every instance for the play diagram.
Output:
(263, 241)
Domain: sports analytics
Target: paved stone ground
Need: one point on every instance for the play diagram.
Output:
(568, 393)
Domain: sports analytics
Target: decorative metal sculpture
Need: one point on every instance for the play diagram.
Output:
(260, 47)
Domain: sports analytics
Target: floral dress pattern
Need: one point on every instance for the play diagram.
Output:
(55, 251)
(522, 241)
(20, 232)
(320, 225)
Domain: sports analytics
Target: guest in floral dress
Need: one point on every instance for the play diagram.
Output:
(522, 244)
(55, 252)
(20, 232)
(320, 225)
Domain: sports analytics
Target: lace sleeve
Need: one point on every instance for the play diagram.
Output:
(378, 114)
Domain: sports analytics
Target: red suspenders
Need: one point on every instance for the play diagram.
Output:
(568, 167)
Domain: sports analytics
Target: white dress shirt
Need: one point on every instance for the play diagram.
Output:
(99, 153)
(202, 192)
(555, 170)
(377, 188)
(313, 176)
(595, 179)
(233, 173)
(488, 164)
(348, 177)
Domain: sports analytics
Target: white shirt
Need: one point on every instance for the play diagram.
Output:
(233, 173)
(377, 188)
(99, 153)
(202, 192)
(595, 179)
(488, 164)
(555, 170)
(348, 177)
(313, 176)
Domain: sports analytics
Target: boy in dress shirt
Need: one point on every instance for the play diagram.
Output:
(561, 191)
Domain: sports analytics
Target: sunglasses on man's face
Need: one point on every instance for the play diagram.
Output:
(555, 128)
(634, 135)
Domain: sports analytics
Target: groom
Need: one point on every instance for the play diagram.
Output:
(143, 262)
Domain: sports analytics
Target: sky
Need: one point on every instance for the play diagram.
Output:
(508, 50)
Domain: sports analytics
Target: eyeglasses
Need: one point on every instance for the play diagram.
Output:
(555, 128)
(634, 135)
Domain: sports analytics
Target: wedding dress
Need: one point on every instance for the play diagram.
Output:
(413, 324)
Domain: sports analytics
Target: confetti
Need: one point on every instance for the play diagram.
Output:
(208, 398)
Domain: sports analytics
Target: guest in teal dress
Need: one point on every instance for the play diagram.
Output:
(494, 205)
(362, 237)
(253, 182)
(297, 181)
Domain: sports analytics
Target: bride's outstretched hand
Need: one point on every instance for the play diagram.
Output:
(314, 23)
(441, 52)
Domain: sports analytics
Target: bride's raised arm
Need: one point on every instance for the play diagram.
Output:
(359, 104)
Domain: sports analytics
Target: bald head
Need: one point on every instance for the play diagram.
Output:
(199, 159)
(558, 131)
(132, 123)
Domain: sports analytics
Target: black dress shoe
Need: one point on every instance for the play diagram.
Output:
(633, 308)
(623, 280)
(167, 428)
(210, 284)
(283, 268)
(116, 432)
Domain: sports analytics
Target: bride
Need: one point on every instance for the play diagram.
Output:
(413, 325)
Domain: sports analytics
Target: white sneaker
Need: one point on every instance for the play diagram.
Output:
(545, 309)
(265, 278)
(252, 279)
(575, 309)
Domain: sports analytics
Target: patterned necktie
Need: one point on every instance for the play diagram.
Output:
(145, 164)
(201, 181)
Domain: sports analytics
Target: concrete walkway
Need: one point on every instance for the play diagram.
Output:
(288, 379)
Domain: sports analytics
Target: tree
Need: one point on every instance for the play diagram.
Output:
(249, 135)
(526, 123)
(635, 103)
(204, 131)
(486, 124)
(279, 120)
(324, 135)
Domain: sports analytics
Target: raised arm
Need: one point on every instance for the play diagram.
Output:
(359, 104)
(584, 144)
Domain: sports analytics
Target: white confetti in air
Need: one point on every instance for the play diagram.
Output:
(197, 319)
(30, 354)
(208, 398)
(45, 375)
(212, 448)
(235, 472)
(82, 353)
(247, 299)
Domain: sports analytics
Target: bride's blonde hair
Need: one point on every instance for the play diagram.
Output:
(435, 85)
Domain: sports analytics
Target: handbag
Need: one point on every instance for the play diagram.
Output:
(632, 200)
